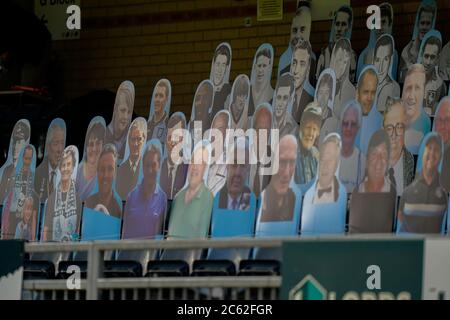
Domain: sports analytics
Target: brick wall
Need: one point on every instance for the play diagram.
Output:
(144, 40)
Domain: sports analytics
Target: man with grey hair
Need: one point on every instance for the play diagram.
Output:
(46, 173)
(351, 170)
(128, 172)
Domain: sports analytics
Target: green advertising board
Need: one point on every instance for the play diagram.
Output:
(352, 269)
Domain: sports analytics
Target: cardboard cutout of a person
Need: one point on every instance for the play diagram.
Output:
(282, 104)
(425, 21)
(444, 63)
(435, 88)
(442, 127)
(116, 132)
(325, 203)
(201, 109)
(423, 205)
(159, 111)
(47, 171)
(130, 168)
(261, 88)
(238, 108)
(341, 28)
(21, 206)
(93, 145)
(63, 208)
(220, 75)
(401, 161)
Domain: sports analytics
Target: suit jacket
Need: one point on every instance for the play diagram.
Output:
(244, 202)
(6, 181)
(179, 181)
(299, 106)
(41, 181)
(126, 179)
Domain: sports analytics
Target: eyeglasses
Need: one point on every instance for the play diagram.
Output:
(399, 129)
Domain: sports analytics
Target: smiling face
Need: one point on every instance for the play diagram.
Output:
(309, 133)
(94, 149)
(287, 158)
(394, 125)
(221, 123)
(323, 94)
(263, 66)
(382, 61)
(367, 89)
(341, 25)
(340, 62)
(377, 163)
(202, 102)
(172, 138)
(122, 115)
(350, 127)
(106, 173)
(300, 28)
(328, 163)
(66, 168)
(220, 67)
(300, 66)
(431, 158)
(160, 99)
(27, 159)
(28, 210)
(443, 121)
(413, 91)
(236, 177)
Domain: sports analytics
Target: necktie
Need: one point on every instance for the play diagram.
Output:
(52, 182)
(321, 192)
(170, 169)
(234, 204)
(256, 182)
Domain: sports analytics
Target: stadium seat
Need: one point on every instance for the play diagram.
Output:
(38, 270)
(259, 268)
(209, 268)
(169, 268)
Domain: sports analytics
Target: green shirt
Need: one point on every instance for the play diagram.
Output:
(191, 220)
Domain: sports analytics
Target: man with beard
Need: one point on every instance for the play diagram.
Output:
(284, 121)
(434, 85)
(300, 70)
(424, 23)
(424, 203)
(157, 125)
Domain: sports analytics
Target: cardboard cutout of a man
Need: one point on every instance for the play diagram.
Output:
(282, 100)
(239, 102)
(442, 127)
(159, 111)
(219, 76)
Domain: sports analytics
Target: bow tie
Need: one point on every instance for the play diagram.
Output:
(321, 192)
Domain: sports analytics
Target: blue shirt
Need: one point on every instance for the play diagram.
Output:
(143, 217)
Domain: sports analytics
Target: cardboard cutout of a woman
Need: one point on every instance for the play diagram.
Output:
(219, 139)
(442, 127)
(238, 108)
(190, 214)
(20, 137)
(366, 95)
(372, 205)
(367, 55)
(341, 28)
(418, 123)
(201, 110)
(384, 61)
(102, 212)
(261, 88)
(429, 53)
(425, 21)
(21, 207)
(63, 208)
(146, 204)
(130, 168)
(352, 159)
(424, 203)
(93, 145)
(220, 75)
(279, 212)
(340, 63)
(159, 111)
(116, 132)
(325, 203)
(47, 171)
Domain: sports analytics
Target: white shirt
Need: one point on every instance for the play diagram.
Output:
(230, 202)
(351, 171)
(398, 175)
(326, 197)
(173, 170)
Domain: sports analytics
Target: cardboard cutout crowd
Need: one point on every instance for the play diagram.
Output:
(335, 145)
